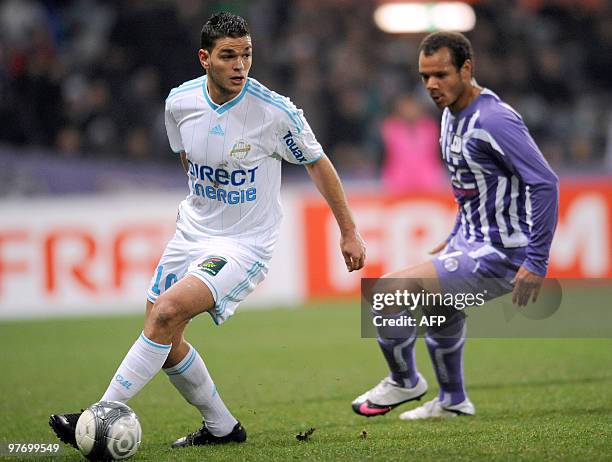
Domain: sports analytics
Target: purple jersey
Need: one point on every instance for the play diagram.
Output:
(506, 191)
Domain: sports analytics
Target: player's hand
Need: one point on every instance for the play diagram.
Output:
(439, 248)
(526, 285)
(353, 250)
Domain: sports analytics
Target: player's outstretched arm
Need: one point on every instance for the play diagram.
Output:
(325, 177)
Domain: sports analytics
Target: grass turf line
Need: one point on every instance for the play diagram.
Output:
(284, 371)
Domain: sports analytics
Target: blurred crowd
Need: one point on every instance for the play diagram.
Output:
(88, 78)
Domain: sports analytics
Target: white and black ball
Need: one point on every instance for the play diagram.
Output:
(108, 430)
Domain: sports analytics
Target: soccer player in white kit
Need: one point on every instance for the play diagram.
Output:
(231, 134)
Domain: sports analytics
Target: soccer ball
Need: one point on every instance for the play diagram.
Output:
(108, 430)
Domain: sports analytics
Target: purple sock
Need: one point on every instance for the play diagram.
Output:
(397, 345)
(446, 351)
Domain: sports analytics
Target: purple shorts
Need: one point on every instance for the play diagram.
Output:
(470, 267)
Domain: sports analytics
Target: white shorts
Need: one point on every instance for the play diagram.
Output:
(231, 273)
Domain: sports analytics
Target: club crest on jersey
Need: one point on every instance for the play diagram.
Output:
(451, 264)
(239, 150)
(456, 144)
(212, 265)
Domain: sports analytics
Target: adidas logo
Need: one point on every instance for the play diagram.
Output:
(217, 130)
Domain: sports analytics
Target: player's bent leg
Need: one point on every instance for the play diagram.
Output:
(421, 276)
(404, 383)
(175, 307)
(169, 314)
(445, 346)
(457, 274)
(180, 347)
(64, 425)
(231, 274)
(146, 357)
(166, 321)
(192, 379)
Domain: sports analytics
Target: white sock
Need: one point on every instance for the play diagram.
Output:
(140, 365)
(192, 380)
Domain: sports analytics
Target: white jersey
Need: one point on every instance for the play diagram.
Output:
(234, 151)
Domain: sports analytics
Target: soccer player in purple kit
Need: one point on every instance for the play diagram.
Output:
(507, 197)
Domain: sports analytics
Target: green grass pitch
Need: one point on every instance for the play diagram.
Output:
(284, 371)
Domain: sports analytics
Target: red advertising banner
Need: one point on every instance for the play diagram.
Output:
(96, 254)
(399, 232)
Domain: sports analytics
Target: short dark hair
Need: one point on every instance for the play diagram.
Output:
(221, 25)
(458, 44)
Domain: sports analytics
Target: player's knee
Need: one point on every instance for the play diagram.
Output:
(165, 316)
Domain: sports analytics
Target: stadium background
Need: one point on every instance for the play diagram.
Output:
(89, 190)
(89, 187)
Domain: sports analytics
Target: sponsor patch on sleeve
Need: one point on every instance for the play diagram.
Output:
(212, 265)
